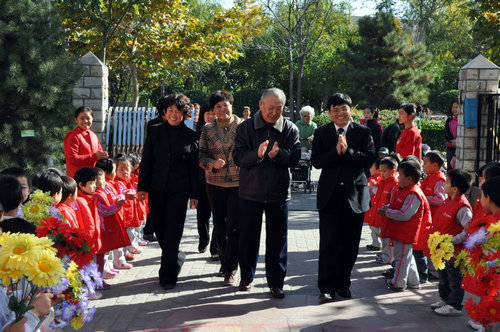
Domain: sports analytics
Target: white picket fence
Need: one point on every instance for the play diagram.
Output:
(126, 128)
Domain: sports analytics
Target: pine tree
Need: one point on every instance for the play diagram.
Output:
(36, 79)
(383, 68)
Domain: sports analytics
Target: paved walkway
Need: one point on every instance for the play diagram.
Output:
(201, 303)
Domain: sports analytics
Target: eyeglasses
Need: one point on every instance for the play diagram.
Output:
(338, 109)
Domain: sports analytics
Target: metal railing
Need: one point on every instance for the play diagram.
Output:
(488, 106)
(126, 129)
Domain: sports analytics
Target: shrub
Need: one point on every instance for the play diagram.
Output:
(442, 103)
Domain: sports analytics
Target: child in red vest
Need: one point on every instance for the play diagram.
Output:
(388, 171)
(433, 188)
(407, 210)
(118, 257)
(113, 234)
(69, 194)
(130, 209)
(86, 178)
(481, 217)
(453, 218)
(373, 182)
(410, 141)
(142, 206)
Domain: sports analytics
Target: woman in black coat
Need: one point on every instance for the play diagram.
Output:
(169, 174)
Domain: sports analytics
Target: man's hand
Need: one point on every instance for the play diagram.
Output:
(341, 144)
(274, 151)
(141, 196)
(193, 203)
(101, 155)
(310, 138)
(262, 149)
(219, 163)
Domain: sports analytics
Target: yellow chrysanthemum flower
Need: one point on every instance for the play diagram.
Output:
(34, 211)
(41, 197)
(441, 249)
(76, 322)
(4, 237)
(46, 271)
(494, 228)
(47, 244)
(463, 262)
(19, 250)
(7, 275)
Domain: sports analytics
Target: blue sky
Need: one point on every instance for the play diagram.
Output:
(360, 7)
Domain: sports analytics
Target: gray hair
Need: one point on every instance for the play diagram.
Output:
(278, 93)
(307, 109)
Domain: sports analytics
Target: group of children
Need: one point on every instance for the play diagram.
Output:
(405, 211)
(100, 200)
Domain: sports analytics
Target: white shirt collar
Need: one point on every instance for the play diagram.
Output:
(345, 127)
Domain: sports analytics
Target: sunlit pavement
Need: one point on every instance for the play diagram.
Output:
(200, 302)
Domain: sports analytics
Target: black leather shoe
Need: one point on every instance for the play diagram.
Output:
(202, 248)
(149, 237)
(277, 293)
(326, 297)
(344, 292)
(167, 285)
(244, 286)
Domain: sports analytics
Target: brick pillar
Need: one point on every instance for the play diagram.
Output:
(92, 91)
(480, 76)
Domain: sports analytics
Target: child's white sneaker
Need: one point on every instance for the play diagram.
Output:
(447, 310)
(475, 325)
(437, 304)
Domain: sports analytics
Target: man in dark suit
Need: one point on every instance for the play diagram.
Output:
(342, 149)
(169, 174)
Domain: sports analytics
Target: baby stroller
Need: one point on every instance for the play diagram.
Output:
(301, 174)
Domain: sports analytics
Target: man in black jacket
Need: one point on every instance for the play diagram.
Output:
(342, 149)
(265, 147)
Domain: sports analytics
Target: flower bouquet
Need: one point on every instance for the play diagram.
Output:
(481, 260)
(441, 249)
(79, 285)
(27, 265)
(80, 277)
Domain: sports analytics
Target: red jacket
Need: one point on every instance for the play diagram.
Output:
(383, 197)
(410, 143)
(479, 211)
(142, 206)
(428, 187)
(470, 283)
(405, 231)
(79, 149)
(69, 214)
(113, 234)
(445, 218)
(371, 213)
(86, 212)
(130, 210)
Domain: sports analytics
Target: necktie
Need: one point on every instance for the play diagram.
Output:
(340, 131)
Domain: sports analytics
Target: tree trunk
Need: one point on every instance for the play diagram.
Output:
(104, 44)
(300, 74)
(290, 89)
(135, 83)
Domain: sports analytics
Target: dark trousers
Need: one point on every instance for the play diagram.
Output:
(421, 261)
(450, 291)
(168, 213)
(224, 203)
(339, 235)
(250, 220)
(203, 213)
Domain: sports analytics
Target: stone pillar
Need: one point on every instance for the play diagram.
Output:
(480, 76)
(92, 91)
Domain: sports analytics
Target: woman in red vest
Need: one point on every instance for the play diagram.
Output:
(81, 145)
